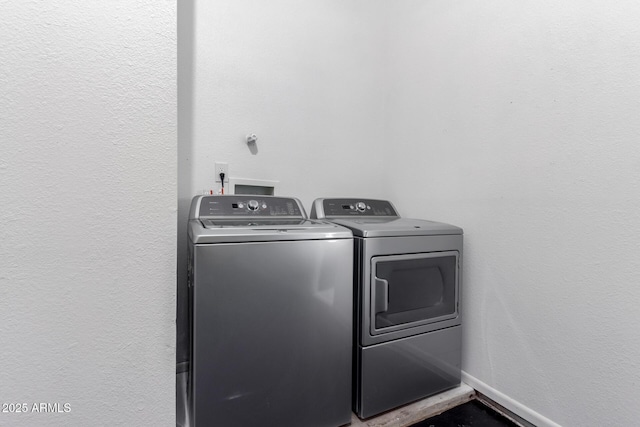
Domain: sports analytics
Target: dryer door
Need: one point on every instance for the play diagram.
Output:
(413, 290)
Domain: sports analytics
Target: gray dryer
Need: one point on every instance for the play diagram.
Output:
(407, 336)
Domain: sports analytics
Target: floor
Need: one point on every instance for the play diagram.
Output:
(413, 413)
(470, 414)
(458, 407)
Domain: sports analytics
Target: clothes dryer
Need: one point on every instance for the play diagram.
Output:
(271, 315)
(407, 323)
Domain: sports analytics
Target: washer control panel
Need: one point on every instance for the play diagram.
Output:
(241, 206)
(357, 207)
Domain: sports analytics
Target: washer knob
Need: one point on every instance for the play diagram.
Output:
(361, 206)
(253, 205)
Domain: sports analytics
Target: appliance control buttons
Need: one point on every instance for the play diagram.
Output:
(253, 205)
(361, 206)
(264, 206)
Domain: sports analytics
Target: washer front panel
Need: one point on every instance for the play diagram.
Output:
(272, 333)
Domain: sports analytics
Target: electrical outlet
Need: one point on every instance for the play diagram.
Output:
(221, 168)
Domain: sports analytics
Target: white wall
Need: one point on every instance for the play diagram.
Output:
(306, 77)
(516, 121)
(88, 196)
(528, 122)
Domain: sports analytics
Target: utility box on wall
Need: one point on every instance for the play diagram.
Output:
(252, 186)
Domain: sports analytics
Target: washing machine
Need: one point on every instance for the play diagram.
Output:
(271, 315)
(407, 323)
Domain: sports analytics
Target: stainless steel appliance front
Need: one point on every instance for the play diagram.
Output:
(407, 338)
(412, 290)
(419, 288)
(413, 348)
(271, 310)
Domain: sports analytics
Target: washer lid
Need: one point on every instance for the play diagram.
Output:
(247, 218)
(388, 227)
(217, 231)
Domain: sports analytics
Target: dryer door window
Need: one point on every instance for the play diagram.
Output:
(412, 290)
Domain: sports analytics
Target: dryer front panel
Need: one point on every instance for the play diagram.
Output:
(412, 290)
(408, 286)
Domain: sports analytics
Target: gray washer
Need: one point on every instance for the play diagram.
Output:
(271, 314)
(407, 324)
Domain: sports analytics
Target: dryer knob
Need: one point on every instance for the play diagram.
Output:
(361, 206)
(253, 205)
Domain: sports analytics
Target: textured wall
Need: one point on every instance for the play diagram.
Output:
(519, 122)
(306, 77)
(88, 210)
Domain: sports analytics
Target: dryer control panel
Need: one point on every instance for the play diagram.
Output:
(356, 208)
(249, 206)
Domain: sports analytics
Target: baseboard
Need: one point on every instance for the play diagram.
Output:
(508, 403)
